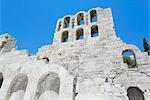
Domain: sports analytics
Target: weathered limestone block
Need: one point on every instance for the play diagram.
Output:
(18, 95)
(113, 92)
(7, 43)
(49, 95)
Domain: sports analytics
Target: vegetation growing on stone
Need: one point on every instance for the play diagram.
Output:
(146, 46)
(131, 62)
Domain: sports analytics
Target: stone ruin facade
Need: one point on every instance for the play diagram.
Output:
(85, 62)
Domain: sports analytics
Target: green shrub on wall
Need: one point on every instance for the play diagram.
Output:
(131, 62)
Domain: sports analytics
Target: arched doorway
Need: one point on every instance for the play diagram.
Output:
(48, 87)
(1, 79)
(135, 93)
(18, 88)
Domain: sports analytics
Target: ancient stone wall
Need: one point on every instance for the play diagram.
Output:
(85, 62)
(102, 19)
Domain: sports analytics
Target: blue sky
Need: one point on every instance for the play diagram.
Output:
(32, 22)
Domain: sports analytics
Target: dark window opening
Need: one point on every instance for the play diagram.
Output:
(66, 22)
(80, 19)
(46, 59)
(106, 80)
(79, 34)
(135, 93)
(59, 26)
(93, 15)
(94, 31)
(1, 80)
(64, 36)
(129, 58)
(74, 88)
(146, 46)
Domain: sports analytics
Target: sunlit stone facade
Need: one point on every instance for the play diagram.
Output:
(85, 62)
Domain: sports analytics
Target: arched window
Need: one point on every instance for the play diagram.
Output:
(59, 26)
(135, 93)
(18, 88)
(1, 80)
(48, 85)
(64, 37)
(94, 31)
(79, 34)
(80, 19)
(93, 15)
(66, 22)
(46, 59)
(129, 58)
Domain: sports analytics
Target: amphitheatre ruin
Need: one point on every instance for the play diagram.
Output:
(86, 61)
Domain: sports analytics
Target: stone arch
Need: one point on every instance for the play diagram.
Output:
(65, 79)
(1, 79)
(66, 22)
(134, 93)
(79, 34)
(133, 78)
(131, 47)
(17, 87)
(64, 37)
(94, 31)
(48, 84)
(80, 19)
(129, 57)
(93, 16)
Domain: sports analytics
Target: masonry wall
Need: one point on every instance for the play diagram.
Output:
(19, 65)
(91, 68)
(92, 63)
(104, 23)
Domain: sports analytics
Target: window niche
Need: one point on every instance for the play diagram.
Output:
(66, 22)
(1, 80)
(59, 26)
(93, 16)
(79, 34)
(48, 86)
(74, 88)
(80, 19)
(94, 31)
(129, 58)
(46, 60)
(64, 37)
(18, 88)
